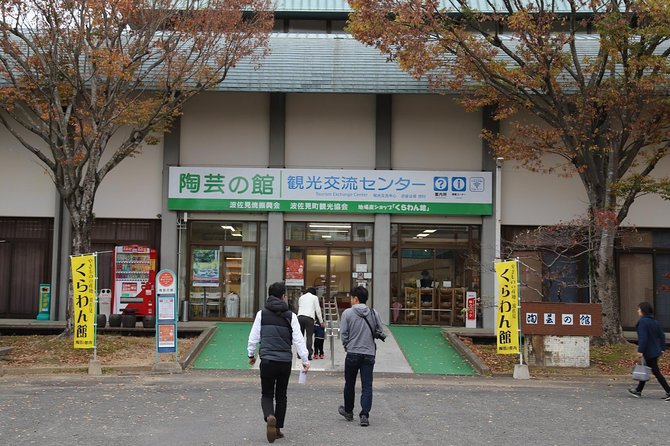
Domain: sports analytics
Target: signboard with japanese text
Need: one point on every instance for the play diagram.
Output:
(561, 319)
(166, 308)
(507, 318)
(166, 328)
(321, 190)
(166, 283)
(166, 338)
(471, 309)
(83, 304)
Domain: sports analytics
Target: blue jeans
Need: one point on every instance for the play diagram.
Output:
(354, 363)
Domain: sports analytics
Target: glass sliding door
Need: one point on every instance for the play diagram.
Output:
(328, 270)
(339, 271)
(331, 257)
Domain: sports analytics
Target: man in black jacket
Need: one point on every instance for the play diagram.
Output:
(276, 328)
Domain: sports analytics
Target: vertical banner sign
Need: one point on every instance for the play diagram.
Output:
(507, 320)
(166, 328)
(83, 286)
(471, 309)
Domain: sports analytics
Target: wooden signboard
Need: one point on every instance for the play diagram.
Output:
(561, 319)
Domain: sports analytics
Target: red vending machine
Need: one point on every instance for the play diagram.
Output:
(134, 280)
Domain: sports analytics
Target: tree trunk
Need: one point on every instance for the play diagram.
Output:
(82, 226)
(81, 235)
(606, 290)
(81, 213)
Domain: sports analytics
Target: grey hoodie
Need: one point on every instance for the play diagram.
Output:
(355, 333)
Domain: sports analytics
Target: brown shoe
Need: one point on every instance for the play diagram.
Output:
(271, 428)
(279, 434)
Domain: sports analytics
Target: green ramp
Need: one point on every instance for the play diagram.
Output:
(227, 349)
(427, 351)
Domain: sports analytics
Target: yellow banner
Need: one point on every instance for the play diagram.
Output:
(507, 318)
(83, 286)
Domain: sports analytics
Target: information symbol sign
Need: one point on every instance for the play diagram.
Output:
(458, 184)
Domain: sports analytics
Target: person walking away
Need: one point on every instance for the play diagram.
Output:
(319, 338)
(650, 346)
(276, 328)
(309, 310)
(357, 328)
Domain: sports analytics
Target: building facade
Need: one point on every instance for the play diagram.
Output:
(327, 167)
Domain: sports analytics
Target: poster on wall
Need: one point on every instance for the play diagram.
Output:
(295, 272)
(206, 267)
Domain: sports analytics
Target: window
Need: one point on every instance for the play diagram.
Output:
(223, 279)
(432, 266)
(553, 267)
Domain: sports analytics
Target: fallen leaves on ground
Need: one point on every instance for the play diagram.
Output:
(617, 359)
(54, 351)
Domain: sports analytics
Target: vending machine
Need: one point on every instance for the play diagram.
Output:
(134, 280)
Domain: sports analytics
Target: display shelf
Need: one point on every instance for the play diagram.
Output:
(411, 305)
(451, 302)
(233, 276)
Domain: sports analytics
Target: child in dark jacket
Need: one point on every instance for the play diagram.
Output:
(319, 336)
(650, 346)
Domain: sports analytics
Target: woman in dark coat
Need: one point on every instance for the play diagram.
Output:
(650, 345)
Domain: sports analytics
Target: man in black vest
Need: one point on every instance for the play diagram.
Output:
(276, 328)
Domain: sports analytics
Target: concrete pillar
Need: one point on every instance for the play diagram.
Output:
(275, 270)
(277, 130)
(488, 275)
(63, 258)
(277, 157)
(169, 237)
(56, 248)
(384, 110)
(381, 269)
(488, 242)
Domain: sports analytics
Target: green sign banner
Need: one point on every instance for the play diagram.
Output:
(339, 191)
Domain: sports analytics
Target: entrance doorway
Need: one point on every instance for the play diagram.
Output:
(329, 271)
(330, 257)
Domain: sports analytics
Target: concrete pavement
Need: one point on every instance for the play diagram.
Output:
(223, 408)
(390, 358)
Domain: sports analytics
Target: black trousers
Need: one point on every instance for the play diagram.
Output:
(318, 346)
(653, 364)
(274, 382)
(307, 329)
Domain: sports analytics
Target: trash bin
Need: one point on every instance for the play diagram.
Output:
(105, 302)
(184, 311)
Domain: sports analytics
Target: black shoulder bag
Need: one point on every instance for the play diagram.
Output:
(378, 333)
